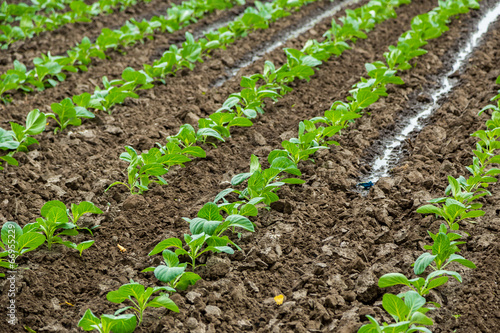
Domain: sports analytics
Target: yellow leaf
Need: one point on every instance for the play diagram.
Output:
(121, 248)
(279, 299)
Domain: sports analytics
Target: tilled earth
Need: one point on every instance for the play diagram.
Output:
(323, 245)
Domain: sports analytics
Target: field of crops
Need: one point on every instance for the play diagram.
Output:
(231, 165)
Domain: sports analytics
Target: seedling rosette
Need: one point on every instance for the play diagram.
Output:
(147, 165)
(57, 221)
(20, 137)
(407, 310)
(16, 241)
(136, 294)
(125, 323)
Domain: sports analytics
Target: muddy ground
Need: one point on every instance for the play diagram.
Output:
(323, 246)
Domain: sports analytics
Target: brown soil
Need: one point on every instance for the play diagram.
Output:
(323, 245)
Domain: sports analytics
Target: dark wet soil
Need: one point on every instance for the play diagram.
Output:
(323, 246)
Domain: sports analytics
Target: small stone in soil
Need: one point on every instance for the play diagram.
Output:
(192, 296)
(349, 296)
(212, 310)
(115, 130)
(191, 323)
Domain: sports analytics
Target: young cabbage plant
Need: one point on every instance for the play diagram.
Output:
(8, 142)
(368, 91)
(222, 122)
(19, 138)
(55, 217)
(419, 285)
(310, 140)
(83, 246)
(174, 148)
(265, 183)
(243, 208)
(197, 245)
(105, 99)
(35, 124)
(459, 207)
(49, 67)
(443, 253)
(213, 224)
(66, 113)
(299, 65)
(147, 165)
(172, 272)
(125, 323)
(16, 241)
(252, 98)
(340, 114)
(83, 53)
(185, 138)
(188, 136)
(78, 210)
(407, 310)
(139, 296)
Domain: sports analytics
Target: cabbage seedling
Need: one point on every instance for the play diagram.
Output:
(458, 207)
(265, 183)
(84, 245)
(19, 138)
(66, 113)
(55, 216)
(151, 164)
(198, 244)
(443, 253)
(140, 171)
(172, 272)
(420, 285)
(188, 136)
(78, 210)
(35, 124)
(139, 297)
(125, 323)
(16, 241)
(409, 314)
(211, 222)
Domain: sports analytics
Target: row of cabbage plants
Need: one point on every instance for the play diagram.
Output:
(32, 24)
(48, 70)
(10, 12)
